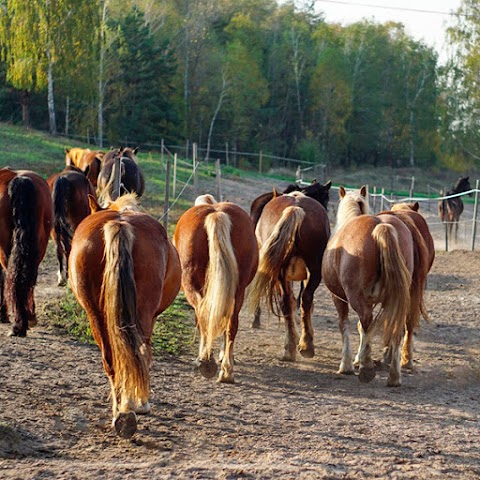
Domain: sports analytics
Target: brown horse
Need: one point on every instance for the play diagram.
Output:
(124, 272)
(219, 255)
(26, 217)
(70, 190)
(293, 231)
(315, 190)
(424, 255)
(450, 209)
(89, 161)
(369, 261)
(131, 176)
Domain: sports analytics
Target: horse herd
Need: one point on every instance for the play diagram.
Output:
(125, 271)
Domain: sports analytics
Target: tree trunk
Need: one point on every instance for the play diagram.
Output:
(25, 99)
(101, 81)
(217, 110)
(51, 102)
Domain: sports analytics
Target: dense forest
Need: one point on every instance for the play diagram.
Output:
(253, 74)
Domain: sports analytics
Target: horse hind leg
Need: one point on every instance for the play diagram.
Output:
(256, 318)
(205, 362)
(346, 364)
(3, 304)
(226, 368)
(305, 346)
(287, 303)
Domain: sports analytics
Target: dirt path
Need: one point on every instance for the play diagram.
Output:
(280, 420)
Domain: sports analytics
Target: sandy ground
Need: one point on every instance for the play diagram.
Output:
(279, 420)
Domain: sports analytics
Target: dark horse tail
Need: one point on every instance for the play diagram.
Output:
(22, 267)
(130, 353)
(62, 228)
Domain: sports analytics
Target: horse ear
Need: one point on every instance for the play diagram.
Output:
(416, 206)
(94, 206)
(313, 182)
(341, 191)
(363, 191)
(328, 185)
(67, 150)
(275, 193)
(135, 150)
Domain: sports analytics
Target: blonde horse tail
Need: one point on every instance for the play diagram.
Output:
(395, 280)
(273, 254)
(130, 354)
(221, 280)
(419, 278)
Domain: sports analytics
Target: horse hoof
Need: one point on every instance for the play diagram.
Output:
(288, 357)
(125, 424)
(394, 383)
(15, 333)
(307, 352)
(366, 375)
(143, 409)
(256, 324)
(225, 379)
(342, 371)
(32, 322)
(208, 368)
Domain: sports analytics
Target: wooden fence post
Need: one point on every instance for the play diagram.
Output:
(260, 160)
(227, 161)
(117, 178)
(166, 204)
(218, 170)
(195, 176)
(475, 209)
(374, 201)
(412, 187)
(174, 175)
(382, 200)
(162, 148)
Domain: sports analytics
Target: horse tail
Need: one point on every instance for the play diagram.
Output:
(130, 354)
(273, 255)
(419, 278)
(62, 228)
(221, 279)
(22, 267)
(394, 283)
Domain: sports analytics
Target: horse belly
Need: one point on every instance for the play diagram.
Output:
(296, 270)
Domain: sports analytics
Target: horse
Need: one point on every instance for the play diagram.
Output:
(131, 176)
(450, 209)
(424, 255)
(219, 256)
(89, 161)
(369, 261)
(70, 190)
(315, 190)
(124, 272)
(74, 155)
(292, 233)
(26, 216)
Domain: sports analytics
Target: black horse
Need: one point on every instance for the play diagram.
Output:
(450, 209)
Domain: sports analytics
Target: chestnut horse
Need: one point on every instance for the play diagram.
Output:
(131, 176)
(88, 161)
(219, 255)
(369, 261)
(293, 231)
(424, 255)
(315, 190)
(124, 272)
(70, 190)
(450, 209)
(26, 217)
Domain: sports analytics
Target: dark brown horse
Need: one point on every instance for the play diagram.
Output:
(292, 231)
(369, 261)
(219, 255)
(26, 217)
(450, 209)
(315, 190)
(70, 190)
(131, 176)
(124, 272)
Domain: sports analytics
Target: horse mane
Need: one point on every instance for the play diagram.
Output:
(351, 205)
(414, 206)
(127, 202)
(206, 199)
